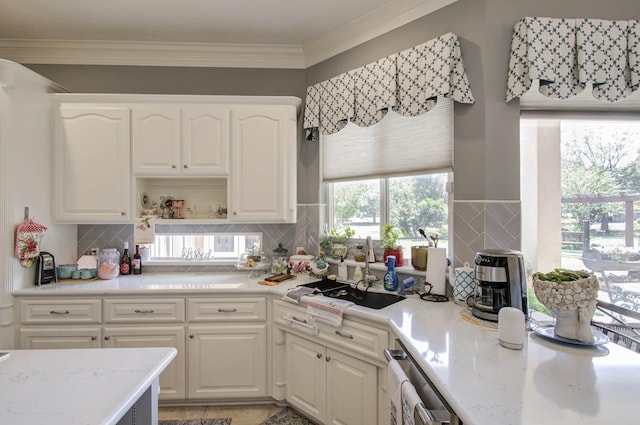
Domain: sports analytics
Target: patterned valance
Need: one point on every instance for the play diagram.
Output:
(407, 82)
(567, 54)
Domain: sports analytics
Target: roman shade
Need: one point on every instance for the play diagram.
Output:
(407, 82)
(395, 146)
(565, 56)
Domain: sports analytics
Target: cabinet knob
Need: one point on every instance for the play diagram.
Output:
(93, 338)
(319, 355)
(192, 336)
(173, 166)
(185, 166)
(107, 338)
(327, 359)
(122, 213)
(235, 213)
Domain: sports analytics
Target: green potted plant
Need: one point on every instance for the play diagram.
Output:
(339, 238)
(389, 242)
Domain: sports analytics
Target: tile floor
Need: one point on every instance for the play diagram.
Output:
(240, 415)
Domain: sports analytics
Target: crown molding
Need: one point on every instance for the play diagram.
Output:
(152, 54)
(379, 21)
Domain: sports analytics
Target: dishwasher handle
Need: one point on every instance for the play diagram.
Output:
(421, 415)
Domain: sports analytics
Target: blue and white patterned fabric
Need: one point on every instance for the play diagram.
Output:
(374, 90)
(567, 54)
(407, 82)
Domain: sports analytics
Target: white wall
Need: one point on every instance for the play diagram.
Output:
(25, 167)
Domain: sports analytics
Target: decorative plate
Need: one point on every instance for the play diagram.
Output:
(548, 332)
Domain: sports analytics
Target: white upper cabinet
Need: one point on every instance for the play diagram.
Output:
(173, 140)
(92, 175)
(205, 140)
(263, 170)
(236, 152)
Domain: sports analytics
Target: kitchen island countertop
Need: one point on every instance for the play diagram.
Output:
(546, 383)
(81, 386)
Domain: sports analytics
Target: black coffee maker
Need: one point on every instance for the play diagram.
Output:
(502, 282)
(45, 268)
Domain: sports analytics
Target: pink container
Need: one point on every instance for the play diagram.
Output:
(108, 270)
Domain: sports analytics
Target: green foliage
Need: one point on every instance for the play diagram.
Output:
(345, 234)
(416, 202)
(356, 198)
(390, 236)
(597, 160)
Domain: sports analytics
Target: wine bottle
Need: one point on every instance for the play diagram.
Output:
(125, 261)
(136, 263)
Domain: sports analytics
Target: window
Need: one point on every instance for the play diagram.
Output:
(581, 198)
(216, 247)
(393, 172)
(409, 203)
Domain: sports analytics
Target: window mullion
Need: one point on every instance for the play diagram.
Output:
(384, 203)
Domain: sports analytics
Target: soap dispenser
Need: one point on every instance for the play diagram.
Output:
(342, 270)
(357, 275)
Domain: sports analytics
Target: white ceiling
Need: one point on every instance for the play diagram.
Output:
(296, 33)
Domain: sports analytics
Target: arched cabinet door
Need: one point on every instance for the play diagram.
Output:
(92, 174)
(263, 169)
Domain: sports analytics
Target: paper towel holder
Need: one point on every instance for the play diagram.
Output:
(428, 296)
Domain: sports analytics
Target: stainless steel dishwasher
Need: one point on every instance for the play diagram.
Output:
(434, 409)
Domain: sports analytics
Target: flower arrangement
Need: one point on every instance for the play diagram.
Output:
(299, 267)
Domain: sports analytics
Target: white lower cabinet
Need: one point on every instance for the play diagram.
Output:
(227, 361)
(172, 379)
(305, 375)
(328, 385)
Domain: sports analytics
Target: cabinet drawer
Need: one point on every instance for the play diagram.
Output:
(293, 317)
(227, 309)
(154, 310)
(67, 311)
(357, 338)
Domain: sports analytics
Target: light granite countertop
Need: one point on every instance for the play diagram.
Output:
(546, 383)
(75, 386)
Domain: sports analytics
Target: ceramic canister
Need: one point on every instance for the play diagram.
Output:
(464, 284)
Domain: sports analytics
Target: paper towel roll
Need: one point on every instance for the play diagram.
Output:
(437, 269)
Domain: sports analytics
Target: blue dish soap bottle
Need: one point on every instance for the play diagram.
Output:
(390, 277)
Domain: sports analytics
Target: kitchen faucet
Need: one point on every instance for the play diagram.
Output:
(368, 277)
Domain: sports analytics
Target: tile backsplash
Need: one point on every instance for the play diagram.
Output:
(303, 233)
(479, 225)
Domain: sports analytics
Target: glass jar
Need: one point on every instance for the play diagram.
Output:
(279, 262)
(359, 255)
(109, 254)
